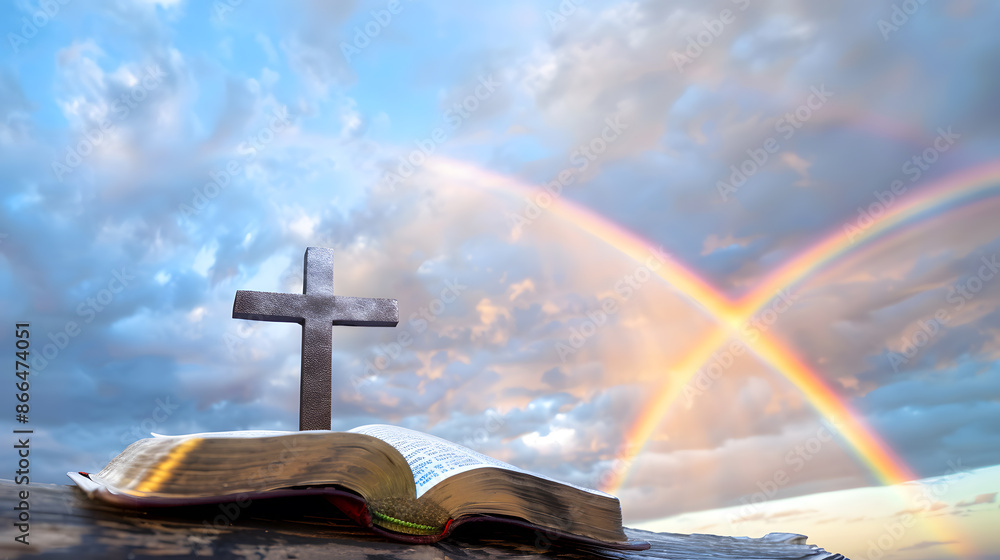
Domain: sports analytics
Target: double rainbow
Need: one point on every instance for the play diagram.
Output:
(865, 442)
(961, 187)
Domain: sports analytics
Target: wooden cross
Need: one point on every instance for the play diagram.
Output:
(317, 310)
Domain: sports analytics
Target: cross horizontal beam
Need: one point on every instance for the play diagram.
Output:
(317, 310)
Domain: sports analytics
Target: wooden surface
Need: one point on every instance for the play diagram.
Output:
(66, 524)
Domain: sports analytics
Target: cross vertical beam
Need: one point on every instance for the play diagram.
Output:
(317, 309)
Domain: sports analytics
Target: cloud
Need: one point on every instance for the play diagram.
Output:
(267, 46)
(715, 243)
(314, 49)
(199, 192)
(923, 545)
(990, 498)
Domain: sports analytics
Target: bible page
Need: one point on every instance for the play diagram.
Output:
(433, 459)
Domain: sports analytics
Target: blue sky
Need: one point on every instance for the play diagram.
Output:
(181, 151)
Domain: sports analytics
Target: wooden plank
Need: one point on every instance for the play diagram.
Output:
(64, 523)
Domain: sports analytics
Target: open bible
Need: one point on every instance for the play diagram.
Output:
(401, 483)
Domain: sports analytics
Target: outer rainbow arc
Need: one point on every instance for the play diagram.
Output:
(955, 187)
(956, 213)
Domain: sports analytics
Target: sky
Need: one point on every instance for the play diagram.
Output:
(704, 255)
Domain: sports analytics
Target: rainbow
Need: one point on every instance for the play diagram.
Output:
(867, 445)
(962, 186)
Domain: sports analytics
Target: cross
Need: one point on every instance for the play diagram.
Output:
(317, 310)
